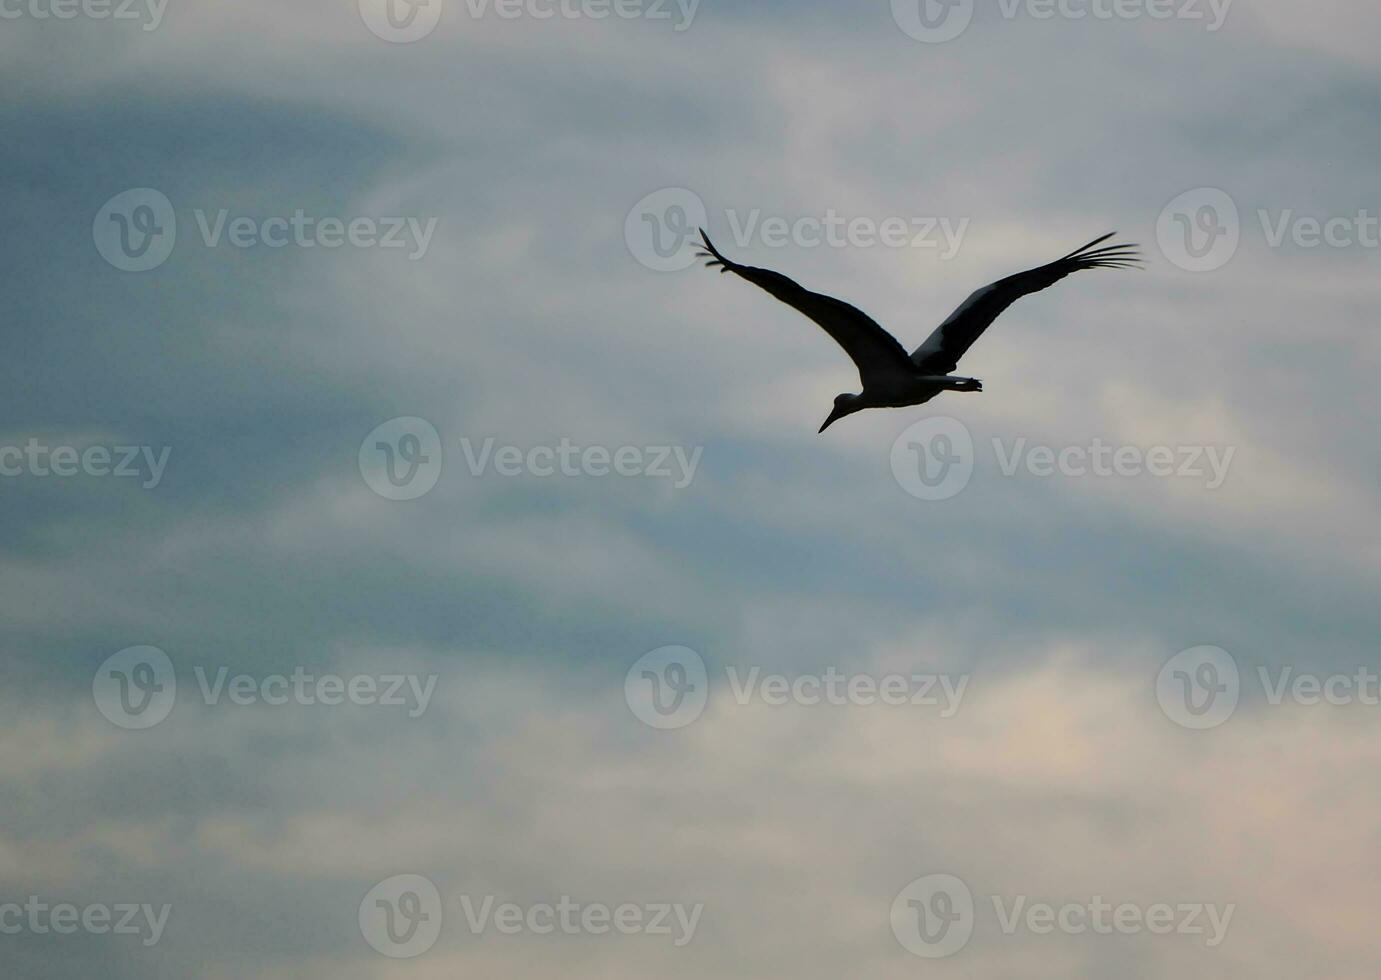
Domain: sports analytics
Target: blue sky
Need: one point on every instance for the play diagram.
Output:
(528, 317)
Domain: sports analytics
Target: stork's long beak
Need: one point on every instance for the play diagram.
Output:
(835, 415)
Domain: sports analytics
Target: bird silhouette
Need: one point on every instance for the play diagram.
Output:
(891, 378)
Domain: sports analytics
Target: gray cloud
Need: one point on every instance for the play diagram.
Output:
(528, 321)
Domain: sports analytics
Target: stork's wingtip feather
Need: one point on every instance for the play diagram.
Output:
(1085, 248)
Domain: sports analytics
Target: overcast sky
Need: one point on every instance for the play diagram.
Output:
(352, 353)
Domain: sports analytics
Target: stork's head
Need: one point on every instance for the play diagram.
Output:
(845, 404)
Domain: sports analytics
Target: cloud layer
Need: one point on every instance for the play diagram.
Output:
(529, 320)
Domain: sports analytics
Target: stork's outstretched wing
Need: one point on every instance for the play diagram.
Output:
(876, 352)
(941, 352)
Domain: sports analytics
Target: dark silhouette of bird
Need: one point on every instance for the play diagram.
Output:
(891, 378)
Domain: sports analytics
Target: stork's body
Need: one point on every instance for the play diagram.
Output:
(892, 378)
